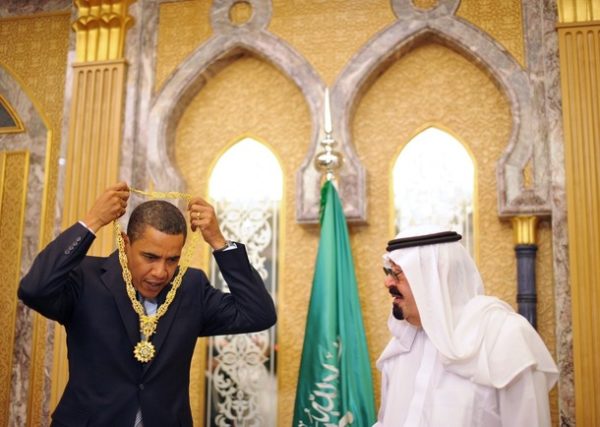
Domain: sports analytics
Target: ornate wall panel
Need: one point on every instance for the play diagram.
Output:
(14, 167)
(183, 26)
(328, 33)
(29, 378)
(35, 49)
(502, 20)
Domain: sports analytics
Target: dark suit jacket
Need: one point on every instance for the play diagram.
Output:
(87, 295)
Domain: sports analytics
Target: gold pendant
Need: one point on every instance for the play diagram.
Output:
(147, 325)
(144, 351)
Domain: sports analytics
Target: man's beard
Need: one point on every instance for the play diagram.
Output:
(397, 312)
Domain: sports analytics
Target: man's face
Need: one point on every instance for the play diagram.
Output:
(404, 305)
(153, 259)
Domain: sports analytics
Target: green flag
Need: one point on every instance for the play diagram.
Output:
(334, 386)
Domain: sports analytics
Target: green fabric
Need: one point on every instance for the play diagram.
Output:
(335, 387)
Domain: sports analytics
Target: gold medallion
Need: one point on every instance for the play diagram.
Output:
(144, 351)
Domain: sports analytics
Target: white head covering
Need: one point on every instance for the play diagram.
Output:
(478, 337)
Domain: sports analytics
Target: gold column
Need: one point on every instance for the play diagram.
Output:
(14, 168)
(94, 141)
(579, 48)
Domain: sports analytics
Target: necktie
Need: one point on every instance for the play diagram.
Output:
(150, 306)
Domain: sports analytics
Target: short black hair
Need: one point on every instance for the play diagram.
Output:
(158, 214)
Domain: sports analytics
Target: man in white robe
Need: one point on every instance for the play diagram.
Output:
(457, 357)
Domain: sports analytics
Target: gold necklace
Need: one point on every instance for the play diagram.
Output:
(144, 350)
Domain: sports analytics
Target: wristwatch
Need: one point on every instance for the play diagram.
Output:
(228, 246)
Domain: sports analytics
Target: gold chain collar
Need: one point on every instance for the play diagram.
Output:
(144, 350)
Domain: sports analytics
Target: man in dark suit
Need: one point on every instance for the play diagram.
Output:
(108, 385)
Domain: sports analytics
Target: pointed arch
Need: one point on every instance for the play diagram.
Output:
(192, 75)
(406, 34)
(263, 175)
(434, 182)
(248, 211)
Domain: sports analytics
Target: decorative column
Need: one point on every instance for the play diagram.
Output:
(579, 38)
(525, 250)
(95, 128)
(97, 109)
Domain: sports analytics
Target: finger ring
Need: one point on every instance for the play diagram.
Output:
(197, 215)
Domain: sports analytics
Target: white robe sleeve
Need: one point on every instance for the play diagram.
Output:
(524, 401)
(384, 393)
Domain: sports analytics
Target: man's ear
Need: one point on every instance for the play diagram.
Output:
(125, 239)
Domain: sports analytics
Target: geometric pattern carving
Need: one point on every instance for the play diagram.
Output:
(241, 376)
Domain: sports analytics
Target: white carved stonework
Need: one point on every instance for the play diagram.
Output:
(241, 381)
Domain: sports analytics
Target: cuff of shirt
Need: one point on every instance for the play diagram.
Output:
(85, 225)
(229, 246)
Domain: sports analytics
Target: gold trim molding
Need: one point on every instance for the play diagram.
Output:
(524, 229)
(101, 29)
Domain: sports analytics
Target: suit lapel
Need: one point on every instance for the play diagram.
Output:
(113, 279)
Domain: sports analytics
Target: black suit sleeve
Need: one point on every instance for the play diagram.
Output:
(52, 285)
(248, 308)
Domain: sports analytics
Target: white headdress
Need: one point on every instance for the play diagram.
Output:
(479, 337)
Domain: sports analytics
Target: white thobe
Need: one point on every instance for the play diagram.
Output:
(418, 391)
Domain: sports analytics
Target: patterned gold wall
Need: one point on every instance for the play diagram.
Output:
(35, 49)
(183, 27)
(13, 186)
(251, 97)
(502, 20)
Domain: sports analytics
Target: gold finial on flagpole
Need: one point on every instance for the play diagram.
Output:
(328, 161)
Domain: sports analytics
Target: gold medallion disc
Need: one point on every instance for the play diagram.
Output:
(144, 351)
